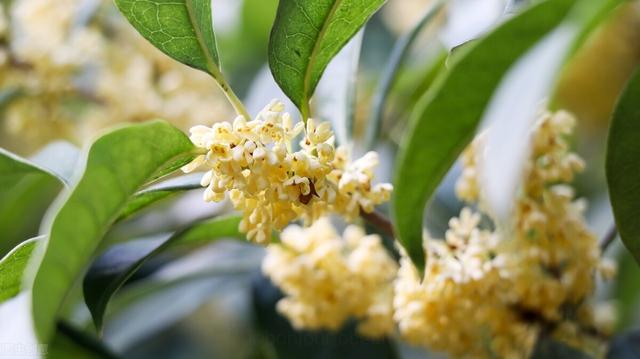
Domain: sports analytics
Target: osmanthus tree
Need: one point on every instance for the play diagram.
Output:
(514, 275)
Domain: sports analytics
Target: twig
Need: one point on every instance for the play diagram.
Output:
(379, 221)
(611, 235)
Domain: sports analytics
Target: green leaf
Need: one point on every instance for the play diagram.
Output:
(27, 188)
(160, 191)
(625, 290)
(446, 118)
(114, 267)
(306, 35)
(70, 342)
(623, 161)
(118, 164)
(182, 29)
(12, 268)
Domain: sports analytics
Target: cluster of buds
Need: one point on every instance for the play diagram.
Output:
(253, 161)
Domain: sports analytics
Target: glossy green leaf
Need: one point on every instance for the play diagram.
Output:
(117, 165)
(114, 267)
(623, 161)
(12, 268)
(182, 29)
(306, 35)
(446, 118)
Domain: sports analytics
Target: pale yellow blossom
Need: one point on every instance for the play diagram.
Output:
(487, 293)
(328, 279)
(272, 185)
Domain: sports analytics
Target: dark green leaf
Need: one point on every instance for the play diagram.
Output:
(306, 35)
(69, 342)
(445, 120)
(118, 164)
(113, 268)
(623, 161)
(12, 268)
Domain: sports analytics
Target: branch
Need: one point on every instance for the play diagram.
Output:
(611, 235)
(379, 221)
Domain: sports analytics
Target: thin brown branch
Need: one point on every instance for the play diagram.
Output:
(379, 221)
(611, 235)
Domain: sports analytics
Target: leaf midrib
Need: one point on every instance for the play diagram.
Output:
(211, 64)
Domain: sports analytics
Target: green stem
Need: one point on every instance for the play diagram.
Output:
(305, 112)
(237, 104)
(214, 70)
(392, 67)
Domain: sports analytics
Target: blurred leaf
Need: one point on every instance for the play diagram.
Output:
(626, 290)
(70, 342)
(625, 346)
(336, 93)
(118, 165)
(157, 192)
(12, 268)
(149, 306)
(390, 72)
(114, 267)
(516, 104)
(7, 95)
(445, 121)
(27, 188)
(306, 35)
(623, 161)
(182, 29)
(289, 342)
(548, 348)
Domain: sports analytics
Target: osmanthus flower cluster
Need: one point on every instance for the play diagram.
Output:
(328, 278)
(273, 185)
(489, 293)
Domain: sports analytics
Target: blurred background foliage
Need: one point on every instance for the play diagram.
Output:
(70, 68)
